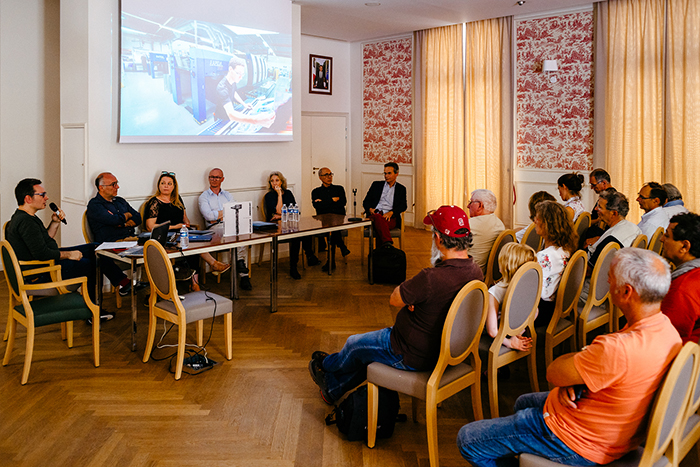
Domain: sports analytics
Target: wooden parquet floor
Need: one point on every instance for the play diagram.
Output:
(260, 409)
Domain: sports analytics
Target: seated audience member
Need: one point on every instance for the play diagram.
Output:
(560, 240)
(534, 199)
(674, 201)
(167, 205)
(681, 242)
(277, 195)
(651, 199)
(211, 206)
(413, 343)
(111, 219)
(619, 374)
(31, 241)
(511, 257)
(570, 186)
(484, 225)
(384, 203)
(330, 199)
(600, 181)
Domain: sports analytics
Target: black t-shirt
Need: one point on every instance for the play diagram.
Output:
(417, 334)
(271, 202)
(164, 212)
(224, 94)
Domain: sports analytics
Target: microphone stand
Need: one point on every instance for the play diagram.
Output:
(354, 209)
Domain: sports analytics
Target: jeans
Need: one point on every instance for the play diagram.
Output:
(348, 368)
(488, 443)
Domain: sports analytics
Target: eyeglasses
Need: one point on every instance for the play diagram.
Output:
(40, 194)
(329, 174)
(113, 184)
(596, 183)
(214, 177)
(165, 172)
(639, 195)
(389, 173)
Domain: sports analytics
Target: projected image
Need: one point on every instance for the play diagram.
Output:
(186, 79)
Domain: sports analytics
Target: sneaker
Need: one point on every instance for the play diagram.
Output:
(241, 267)
(312, 260)
(245, 283)
(325, 395)
(103, 318)
(126, 290)
(319, 354)
(325, 267)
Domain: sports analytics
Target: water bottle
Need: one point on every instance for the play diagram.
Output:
(184, 237)
(297, 214)
(284, 213)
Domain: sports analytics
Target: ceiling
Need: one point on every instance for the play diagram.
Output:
(352, 20)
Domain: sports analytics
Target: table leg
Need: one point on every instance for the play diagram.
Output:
(133, 306)
(234, 273)
(273, 275)
(369, 257)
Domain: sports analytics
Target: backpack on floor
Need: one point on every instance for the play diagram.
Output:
(388, 265)
(351, 415)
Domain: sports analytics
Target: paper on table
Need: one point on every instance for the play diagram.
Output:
(116, 245)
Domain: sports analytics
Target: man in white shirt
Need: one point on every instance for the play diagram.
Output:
(651, 199)
(485, 226)
(211, 205)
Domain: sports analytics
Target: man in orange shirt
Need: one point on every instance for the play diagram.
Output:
(598, 410)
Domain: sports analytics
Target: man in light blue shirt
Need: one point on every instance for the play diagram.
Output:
(211, 205)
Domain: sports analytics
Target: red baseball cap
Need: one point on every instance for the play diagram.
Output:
(449, 220)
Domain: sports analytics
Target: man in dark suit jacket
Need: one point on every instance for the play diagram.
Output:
(384, 203)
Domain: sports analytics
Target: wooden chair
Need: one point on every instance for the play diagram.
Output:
(689, 433)
(493, 274)
(196, 306)
(583, 223)
(640, 242)
(395, 233)
(598, 309)
(661, 446)
(90, 238)
(655, 243)
(562, 327)
(517, 314)
(458, 367)
(65, 307)
(531, 239)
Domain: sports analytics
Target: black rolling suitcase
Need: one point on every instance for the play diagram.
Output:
(388, 265)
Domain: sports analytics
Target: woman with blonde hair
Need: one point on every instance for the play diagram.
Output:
(560, 241)
(570, 186)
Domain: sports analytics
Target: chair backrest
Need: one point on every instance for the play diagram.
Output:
(159, 270)
(670, 404)
(493, 272)
(521, 299)
(531, 239)
(583, 222)
(4, 229)
(640, 242)
(599, 286)
(13, 273)
(570, 287)
(655, 244)
(87, 231)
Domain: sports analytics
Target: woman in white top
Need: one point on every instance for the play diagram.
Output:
(560, 241)
(570, 186)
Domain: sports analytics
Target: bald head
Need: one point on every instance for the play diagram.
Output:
(216, 178)
(107, 185)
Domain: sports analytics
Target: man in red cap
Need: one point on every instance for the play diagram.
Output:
(413, 343)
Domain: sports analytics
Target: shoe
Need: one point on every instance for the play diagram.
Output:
(344, 251)
(325, 395)
(241, 267)
(220, 267)
(295, 274)
(195, 287)
(126, 290)
(245, 283)
(319, 354)
(317, 374)
(388, 244)
(312, 260)
(325, 267)
(103, 318)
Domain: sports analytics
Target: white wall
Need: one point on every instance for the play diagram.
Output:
(339, 100)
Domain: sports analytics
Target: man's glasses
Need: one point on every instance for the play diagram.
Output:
(388, 173)
(214, 177)
(639, 195)
(593, 185)
(113, 184)
(329, 174)
(40, 194)
(165, 172)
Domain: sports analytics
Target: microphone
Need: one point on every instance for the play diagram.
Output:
(54, 208)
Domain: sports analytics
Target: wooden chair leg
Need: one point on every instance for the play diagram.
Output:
(228, 335)
(532, 367)
(28, 354)
(117, 297)
(476, 398)
(7, 325)
(11, 331)
(372, 412)
(96, 336)
(431, 425)
(181, 339)
(493, 388)
(64, 336)
(69, 333)
(152, 323)
(200, 332)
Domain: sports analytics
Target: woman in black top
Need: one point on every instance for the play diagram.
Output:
(166, 205)
(277, 196)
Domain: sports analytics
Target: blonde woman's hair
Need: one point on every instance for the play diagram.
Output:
(282, 179)
(512, 256)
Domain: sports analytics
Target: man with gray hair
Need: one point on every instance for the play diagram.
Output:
(612, 209)
(674, 201)
(598, 410)
(485, 226)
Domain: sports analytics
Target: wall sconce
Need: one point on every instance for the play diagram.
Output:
(549, 66)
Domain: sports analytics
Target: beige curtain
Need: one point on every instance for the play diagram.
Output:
(634, 94)
(439, 119)
(489, 111)
(683, 100)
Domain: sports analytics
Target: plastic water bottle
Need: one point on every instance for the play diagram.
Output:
(284, 213)
(184, 237)
(297, 214)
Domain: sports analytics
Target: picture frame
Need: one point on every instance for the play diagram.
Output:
(320, 74)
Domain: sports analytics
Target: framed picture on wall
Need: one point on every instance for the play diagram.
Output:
(320, 74)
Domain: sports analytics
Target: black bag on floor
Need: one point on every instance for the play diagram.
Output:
(388, 265)
(351, 414)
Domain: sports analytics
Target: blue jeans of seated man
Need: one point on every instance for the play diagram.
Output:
(348, 368)
(494, 443)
